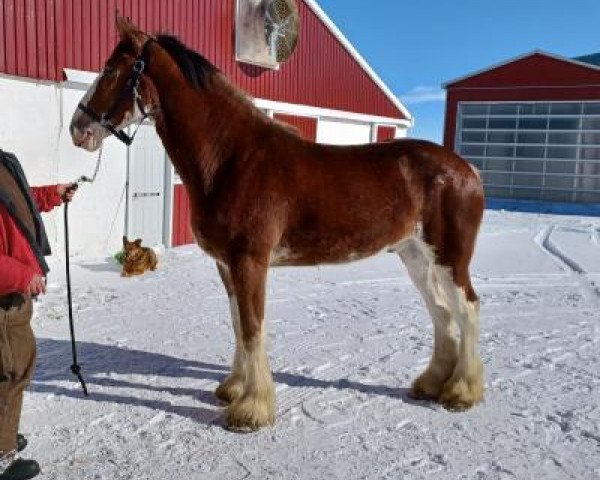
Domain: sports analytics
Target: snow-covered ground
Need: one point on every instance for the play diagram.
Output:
(345, 343)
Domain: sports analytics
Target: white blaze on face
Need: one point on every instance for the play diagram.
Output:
(86, 132)
(90, 91)
(84, 101)
(131, 116)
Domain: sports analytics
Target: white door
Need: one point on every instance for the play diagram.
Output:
(146, 187)
(336, 132)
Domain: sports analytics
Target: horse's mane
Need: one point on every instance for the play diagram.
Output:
(199, 71)
(195, 68)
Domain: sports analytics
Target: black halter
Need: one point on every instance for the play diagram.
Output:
(131, 88)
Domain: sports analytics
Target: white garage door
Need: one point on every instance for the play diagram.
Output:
(534, 150)
(337, 132)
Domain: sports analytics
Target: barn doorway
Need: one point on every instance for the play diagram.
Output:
(146, 192)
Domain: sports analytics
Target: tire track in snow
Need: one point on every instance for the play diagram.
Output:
(544, 240)
(549, 246)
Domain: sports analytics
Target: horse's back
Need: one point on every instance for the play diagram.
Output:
(349, 202)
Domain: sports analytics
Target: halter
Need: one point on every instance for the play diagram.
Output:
(130, 88)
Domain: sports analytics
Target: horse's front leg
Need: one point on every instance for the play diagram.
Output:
(255, 407)
(233, 386)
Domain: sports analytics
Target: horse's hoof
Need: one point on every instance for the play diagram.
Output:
(250, 413)
(230, 389)
(427, 386)
(461, 393)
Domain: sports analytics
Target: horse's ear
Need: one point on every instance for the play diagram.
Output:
(125, 240)
(129, 32)
(138, 242)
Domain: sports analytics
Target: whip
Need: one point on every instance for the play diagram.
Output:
(75, 367)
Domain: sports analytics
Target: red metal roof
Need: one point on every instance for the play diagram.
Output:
(536, 69)
(38, 38)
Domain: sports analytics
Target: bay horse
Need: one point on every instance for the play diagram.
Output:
(262, 196)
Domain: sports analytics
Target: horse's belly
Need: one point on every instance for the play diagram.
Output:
(338, 250)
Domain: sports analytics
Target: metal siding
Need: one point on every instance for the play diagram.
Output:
(50, 37)
(59, 39)
(20, 38)
(2, 40)
(40, 38)
(385, 133)
(30, 35)
(537, 70)
(182, 233)
(77, 39)
(96, 38)
(10, 36)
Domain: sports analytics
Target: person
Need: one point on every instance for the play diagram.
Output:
(23, 270)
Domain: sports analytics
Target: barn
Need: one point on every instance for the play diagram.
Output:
(532, 126)
(52, 50)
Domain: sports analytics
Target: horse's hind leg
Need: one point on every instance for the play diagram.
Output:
(453, 229)
(419, 260)
(233, 386)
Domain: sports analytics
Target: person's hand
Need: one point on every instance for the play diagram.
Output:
(36, 286)
(66, 191)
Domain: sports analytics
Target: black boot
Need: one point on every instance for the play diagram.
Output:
(21, 442)
(21, 470)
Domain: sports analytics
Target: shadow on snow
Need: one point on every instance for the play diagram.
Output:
(99, 362)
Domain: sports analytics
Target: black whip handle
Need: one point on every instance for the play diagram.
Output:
(75, 368)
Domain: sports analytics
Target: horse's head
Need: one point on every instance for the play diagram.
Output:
(120, 96)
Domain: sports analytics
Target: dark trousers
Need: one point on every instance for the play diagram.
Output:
(17, 364)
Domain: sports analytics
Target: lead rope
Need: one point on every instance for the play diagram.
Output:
(75, 367)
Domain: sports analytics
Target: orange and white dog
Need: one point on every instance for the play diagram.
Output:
(137, 259)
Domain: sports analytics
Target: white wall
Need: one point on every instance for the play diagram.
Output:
(34, 126)
(401, 132)
(338, 132)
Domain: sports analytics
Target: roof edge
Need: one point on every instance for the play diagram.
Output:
(314, 6)
(449, 83)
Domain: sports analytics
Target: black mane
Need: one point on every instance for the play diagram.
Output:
(195, 68)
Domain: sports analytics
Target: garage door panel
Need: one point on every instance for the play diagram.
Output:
(500, 165)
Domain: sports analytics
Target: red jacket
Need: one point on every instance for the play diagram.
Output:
(18, 264)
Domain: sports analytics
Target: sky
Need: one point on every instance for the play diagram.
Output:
(415, 46)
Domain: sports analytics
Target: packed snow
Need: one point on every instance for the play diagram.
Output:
(345, 343)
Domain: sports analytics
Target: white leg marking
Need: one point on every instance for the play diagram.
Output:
(465, 388)
(233, 386)
(256, 407)
(419, 260)
(467, 316)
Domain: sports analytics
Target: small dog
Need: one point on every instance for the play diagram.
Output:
(137, 259)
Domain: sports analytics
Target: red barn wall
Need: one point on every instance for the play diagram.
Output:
(307, 126)
(38, 38)
(385, 133)
(182, 232)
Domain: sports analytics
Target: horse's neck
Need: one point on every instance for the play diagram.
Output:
(201, 129)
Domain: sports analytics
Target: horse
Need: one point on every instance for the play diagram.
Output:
(261, 196)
